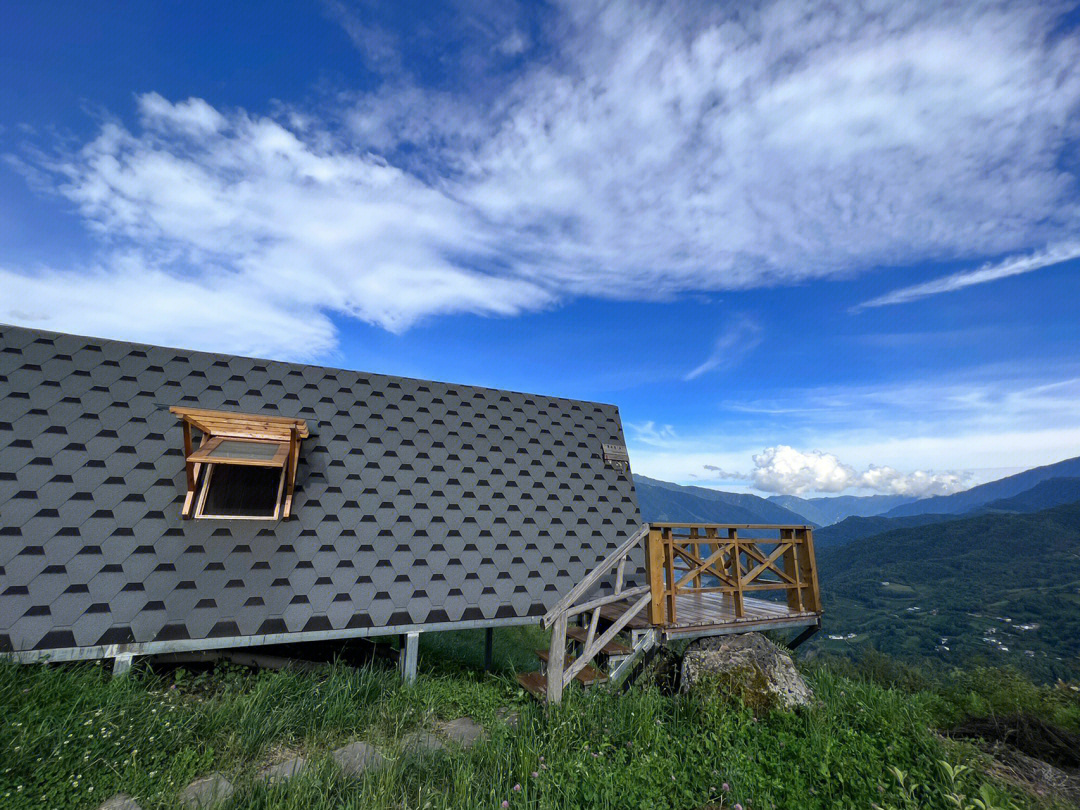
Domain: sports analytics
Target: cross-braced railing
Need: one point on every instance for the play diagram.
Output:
(734, 560)
(687, 559)
(559, 675)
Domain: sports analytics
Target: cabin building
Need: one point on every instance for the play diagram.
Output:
(157, 500)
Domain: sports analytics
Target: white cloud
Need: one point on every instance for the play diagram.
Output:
(205, 313)
(659, 149)
(975, 426)
(245, 216)
(988, 272)
(785, 470)
(738, 338)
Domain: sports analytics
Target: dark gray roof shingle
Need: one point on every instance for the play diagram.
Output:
(417, 502)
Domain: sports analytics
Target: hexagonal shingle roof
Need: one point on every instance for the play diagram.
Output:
(417, 503)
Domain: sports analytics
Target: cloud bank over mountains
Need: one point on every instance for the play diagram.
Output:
(657, 149)
(788, 471)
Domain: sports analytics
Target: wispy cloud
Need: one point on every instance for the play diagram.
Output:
(654, 150)
(988, 272)
(738, 339)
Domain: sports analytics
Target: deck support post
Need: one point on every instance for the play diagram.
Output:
(804, 636)
(410, 646)
(556, 657)
(489, 648)
(122, 664)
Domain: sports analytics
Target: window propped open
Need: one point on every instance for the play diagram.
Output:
(243, 464)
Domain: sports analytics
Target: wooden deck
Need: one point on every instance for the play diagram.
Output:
(714, 614)
(701, 579)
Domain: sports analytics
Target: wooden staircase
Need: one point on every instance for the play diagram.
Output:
(609, 658)
(589, 643)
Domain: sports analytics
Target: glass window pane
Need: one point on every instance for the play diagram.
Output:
(236, 491)
(229, 448)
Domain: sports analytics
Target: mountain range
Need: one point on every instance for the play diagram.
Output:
(992, 577)
(971, 499)
(663, 501)
(824, 511)
(1038, 488)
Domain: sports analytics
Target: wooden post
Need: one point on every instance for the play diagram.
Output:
(489, 647)
(697, 553)
(736, 572)
(669, 569)
(654, 566)
(808, 572)
(791, 568)
(290, 470)
(410, 647)
(556, 657)
(189, 469)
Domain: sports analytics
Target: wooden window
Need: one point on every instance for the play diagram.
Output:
(243, 465)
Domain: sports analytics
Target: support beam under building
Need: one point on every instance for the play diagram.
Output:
(410, 646)
(489, 647)
(122, 664)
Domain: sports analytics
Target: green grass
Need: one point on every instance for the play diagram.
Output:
(73, 736)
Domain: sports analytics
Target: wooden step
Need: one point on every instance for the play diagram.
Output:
(609, 614)
(581, 634)
(588, 675)
(534, 683)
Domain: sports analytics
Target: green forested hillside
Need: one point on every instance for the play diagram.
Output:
(1050, 493)
(858, 528)
(663, 501)
(1000, 589)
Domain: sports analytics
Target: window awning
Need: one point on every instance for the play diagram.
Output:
(240, 439)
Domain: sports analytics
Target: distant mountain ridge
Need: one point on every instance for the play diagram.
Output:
(971, 499)
(855, 528)
(1044, 495)
(663, 501)
(826, 511)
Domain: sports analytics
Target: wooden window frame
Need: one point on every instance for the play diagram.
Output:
(219, 426)
(205, 453)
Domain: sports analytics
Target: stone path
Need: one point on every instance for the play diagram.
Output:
(353, 759)
(421, 742)
(282, 771)
(121, 801)
(357, 757)
(206, 792)
(464, 731)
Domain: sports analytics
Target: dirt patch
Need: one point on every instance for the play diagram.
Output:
(1030, 753)
(1028, 735)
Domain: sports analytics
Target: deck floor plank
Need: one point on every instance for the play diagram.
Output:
(710, 610)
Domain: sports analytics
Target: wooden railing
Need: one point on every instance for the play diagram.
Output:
(567, 608)
(731, 559)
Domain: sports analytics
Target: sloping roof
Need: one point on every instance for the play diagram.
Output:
(417, 502)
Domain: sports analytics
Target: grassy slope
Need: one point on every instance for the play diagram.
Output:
(73, 736)
(964, 576)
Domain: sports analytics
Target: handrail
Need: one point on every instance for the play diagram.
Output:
(593, 576)
(676, 565)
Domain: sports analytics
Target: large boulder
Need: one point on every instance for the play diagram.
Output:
(748, 666)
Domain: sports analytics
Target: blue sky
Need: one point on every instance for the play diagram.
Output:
(804, 249)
